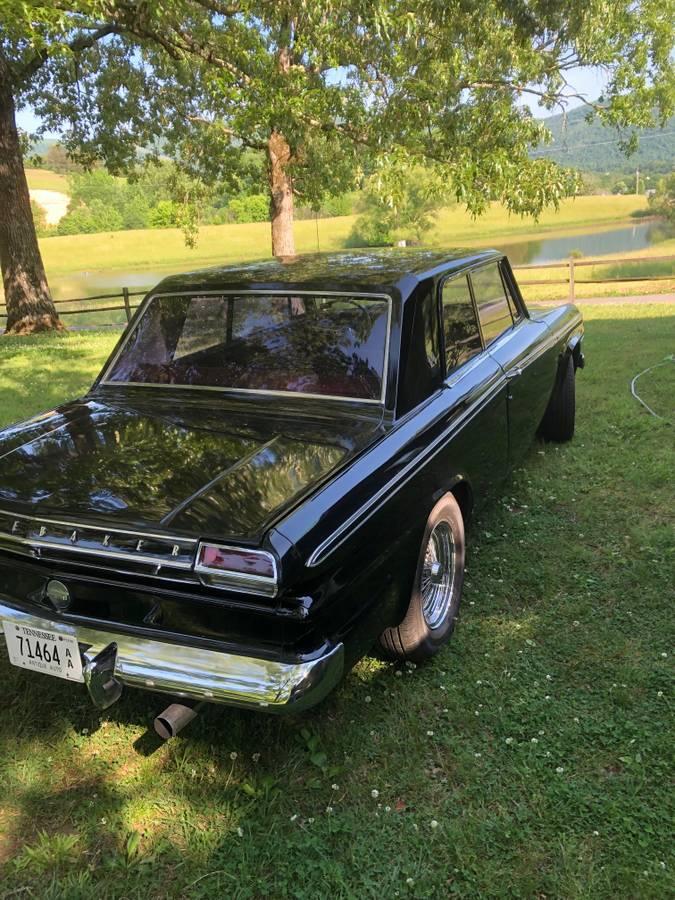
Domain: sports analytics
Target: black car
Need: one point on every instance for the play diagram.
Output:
(273, 471)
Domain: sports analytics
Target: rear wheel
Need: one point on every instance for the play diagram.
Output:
(558, 421)
(434, 602)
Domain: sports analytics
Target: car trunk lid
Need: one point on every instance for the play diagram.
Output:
(224, 470)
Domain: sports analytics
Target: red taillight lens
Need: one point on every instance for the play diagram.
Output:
(235, 560)
(237, 569)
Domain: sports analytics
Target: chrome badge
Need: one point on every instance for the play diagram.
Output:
(59, 595)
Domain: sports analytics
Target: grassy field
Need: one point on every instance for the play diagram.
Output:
(531, 759)
(46, 180)
(232, 243)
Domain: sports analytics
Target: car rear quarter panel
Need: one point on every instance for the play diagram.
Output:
(566, 331)
(357, 540)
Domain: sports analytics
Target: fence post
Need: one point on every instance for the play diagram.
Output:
(127, 305)
(571, 279)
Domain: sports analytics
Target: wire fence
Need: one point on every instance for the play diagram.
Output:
(85, 312)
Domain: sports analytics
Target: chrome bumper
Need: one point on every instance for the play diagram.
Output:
(210, 675)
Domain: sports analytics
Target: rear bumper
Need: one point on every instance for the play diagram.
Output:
(185, 671)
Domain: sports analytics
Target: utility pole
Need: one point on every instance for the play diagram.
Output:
(637, 181)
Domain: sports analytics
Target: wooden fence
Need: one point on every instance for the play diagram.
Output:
(127, 302)
(99, 303)
(573, 281)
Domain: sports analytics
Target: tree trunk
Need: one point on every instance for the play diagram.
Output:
(281, 195)
(29, 303)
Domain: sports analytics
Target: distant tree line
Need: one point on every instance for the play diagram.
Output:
(100, 201)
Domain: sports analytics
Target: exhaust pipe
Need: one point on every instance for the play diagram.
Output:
(175, 718)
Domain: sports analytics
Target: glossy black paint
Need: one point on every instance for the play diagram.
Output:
(339, 491)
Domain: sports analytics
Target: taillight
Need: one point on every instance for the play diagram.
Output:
(237, 569)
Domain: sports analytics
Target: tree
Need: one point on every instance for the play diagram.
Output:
(326, 90)
(27, 297)
(31, 36)
(402, 210)
(58, 160)
(321, 87)
(662, 201)
(39, 218)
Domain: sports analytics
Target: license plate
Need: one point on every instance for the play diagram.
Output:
(43, 651)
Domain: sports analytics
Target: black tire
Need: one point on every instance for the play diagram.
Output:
(558, 421)
(415, 638)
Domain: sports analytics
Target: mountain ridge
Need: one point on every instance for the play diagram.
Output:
(594, 147)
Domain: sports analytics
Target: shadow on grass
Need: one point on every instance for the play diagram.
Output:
(561, 641)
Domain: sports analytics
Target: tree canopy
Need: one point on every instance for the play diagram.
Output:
(321, 88)
(328, 90)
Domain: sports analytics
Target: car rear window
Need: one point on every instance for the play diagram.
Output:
(296, 343)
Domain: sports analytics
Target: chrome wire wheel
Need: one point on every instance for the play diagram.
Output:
(438, 575)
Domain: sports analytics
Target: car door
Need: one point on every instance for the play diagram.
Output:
(514, 341)
(475, 385)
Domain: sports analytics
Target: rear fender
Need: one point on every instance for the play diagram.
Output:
(574, 348)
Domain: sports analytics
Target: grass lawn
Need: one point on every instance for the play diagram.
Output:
(539, 740)
(46, 180)
(232, 243)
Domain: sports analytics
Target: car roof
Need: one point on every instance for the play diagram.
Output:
(399, 269)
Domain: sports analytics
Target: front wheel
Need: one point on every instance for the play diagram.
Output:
(437, 589)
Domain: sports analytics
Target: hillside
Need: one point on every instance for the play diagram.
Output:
(592, 147)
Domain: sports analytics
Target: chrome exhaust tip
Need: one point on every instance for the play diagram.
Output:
(174, 719)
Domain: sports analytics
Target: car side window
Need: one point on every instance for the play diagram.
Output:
(460, 328)
(493, 307)
(510, 296)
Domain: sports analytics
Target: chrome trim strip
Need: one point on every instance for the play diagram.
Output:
(533, 355)
(104, 529)
(539, 351)
(284, 293)
(101, 553)
(98, 533)
(185, 671)
(338, 537)
(506, 335)
(465, 369)
(264, 393)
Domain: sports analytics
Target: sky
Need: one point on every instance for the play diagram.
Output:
(585, 80)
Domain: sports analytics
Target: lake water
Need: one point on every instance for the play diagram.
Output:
(594, 243)
(541, 250)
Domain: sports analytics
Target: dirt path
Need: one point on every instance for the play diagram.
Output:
(54, 203)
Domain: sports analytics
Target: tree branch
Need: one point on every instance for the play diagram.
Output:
(178, 43)
(212, 123)
(79, 43)
(227, 10)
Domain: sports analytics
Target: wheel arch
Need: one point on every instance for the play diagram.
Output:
(573, 348)
(461, 490)
(463, 494)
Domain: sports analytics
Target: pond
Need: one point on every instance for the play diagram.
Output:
(591, 244)
(540, 250)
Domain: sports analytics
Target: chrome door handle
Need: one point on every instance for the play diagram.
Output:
(514, 373)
